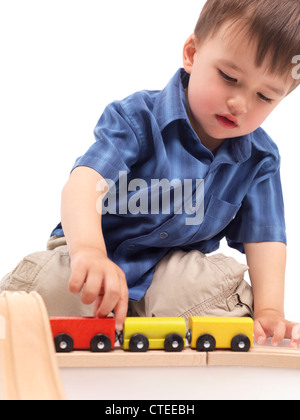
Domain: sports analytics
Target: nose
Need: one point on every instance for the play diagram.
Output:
(237, 105)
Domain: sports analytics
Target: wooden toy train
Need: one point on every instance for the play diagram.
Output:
(143, 334)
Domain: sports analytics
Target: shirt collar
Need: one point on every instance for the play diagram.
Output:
(171, 103)
(171, 106)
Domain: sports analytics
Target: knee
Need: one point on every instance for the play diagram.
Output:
(23, 277)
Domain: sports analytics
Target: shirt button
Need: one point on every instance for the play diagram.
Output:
(163, 235)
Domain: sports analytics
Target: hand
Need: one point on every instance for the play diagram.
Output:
(103, 283)
(270, 323)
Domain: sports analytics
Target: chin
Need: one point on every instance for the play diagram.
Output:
(219, 134)
(227, 134)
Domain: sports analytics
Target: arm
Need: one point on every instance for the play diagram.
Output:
(104, 282)
(81, 222)
(267, 262)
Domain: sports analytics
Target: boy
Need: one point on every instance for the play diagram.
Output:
(238, 66)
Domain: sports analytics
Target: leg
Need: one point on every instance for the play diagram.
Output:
(48, 273)
(192, 284)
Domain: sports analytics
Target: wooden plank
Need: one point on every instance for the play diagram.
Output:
(120, 358)
(28, 365)
(257, 357)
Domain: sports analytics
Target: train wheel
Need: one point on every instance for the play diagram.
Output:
(100, 344)
(174, 343)
(240, 343)
(206, 343)
(139, 344)
(64, 343)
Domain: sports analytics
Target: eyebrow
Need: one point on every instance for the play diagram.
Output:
(275, 90)
(233, 66)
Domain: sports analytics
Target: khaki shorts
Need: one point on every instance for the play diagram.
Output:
(184, 284)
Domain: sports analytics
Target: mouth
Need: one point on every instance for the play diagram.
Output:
(227, 121)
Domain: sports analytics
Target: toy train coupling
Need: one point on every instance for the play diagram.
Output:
(189, 336)
(120, 337)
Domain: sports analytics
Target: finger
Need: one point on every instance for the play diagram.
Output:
(92, 289)
(295, 341)
(121, 309)
(77, 280)
(111, 296)
(97, 304)
(279, 334)
(291, 330)
(259, 333)
(296, 332)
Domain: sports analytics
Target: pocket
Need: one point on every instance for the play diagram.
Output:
(219, 214)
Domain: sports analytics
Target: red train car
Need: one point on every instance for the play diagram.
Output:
(97, 335)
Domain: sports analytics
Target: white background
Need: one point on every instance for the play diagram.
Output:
(62, 62)
(200, 383)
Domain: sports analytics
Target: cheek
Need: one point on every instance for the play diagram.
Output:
(204, 99)
(257, 117)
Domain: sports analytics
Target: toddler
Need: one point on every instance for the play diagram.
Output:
(171, 174)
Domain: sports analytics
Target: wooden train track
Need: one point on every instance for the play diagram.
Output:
(29, 367)
(257, 357)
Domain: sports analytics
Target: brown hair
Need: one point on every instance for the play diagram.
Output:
(273, 24)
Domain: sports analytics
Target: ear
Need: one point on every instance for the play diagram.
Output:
(189, 50)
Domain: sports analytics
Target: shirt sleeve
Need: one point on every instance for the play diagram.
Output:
(262, 216)
(116, 148)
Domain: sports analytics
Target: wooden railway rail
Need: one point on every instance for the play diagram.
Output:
(29, 367)
(257, 357)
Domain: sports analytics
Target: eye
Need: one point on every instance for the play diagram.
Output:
(227, 78)
(264, 98)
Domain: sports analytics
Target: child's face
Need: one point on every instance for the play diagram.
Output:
(228, 96)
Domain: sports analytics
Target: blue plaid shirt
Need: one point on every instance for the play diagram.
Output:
(149, 136)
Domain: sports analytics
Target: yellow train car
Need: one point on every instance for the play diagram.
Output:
(143, 334)
(209, 334)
